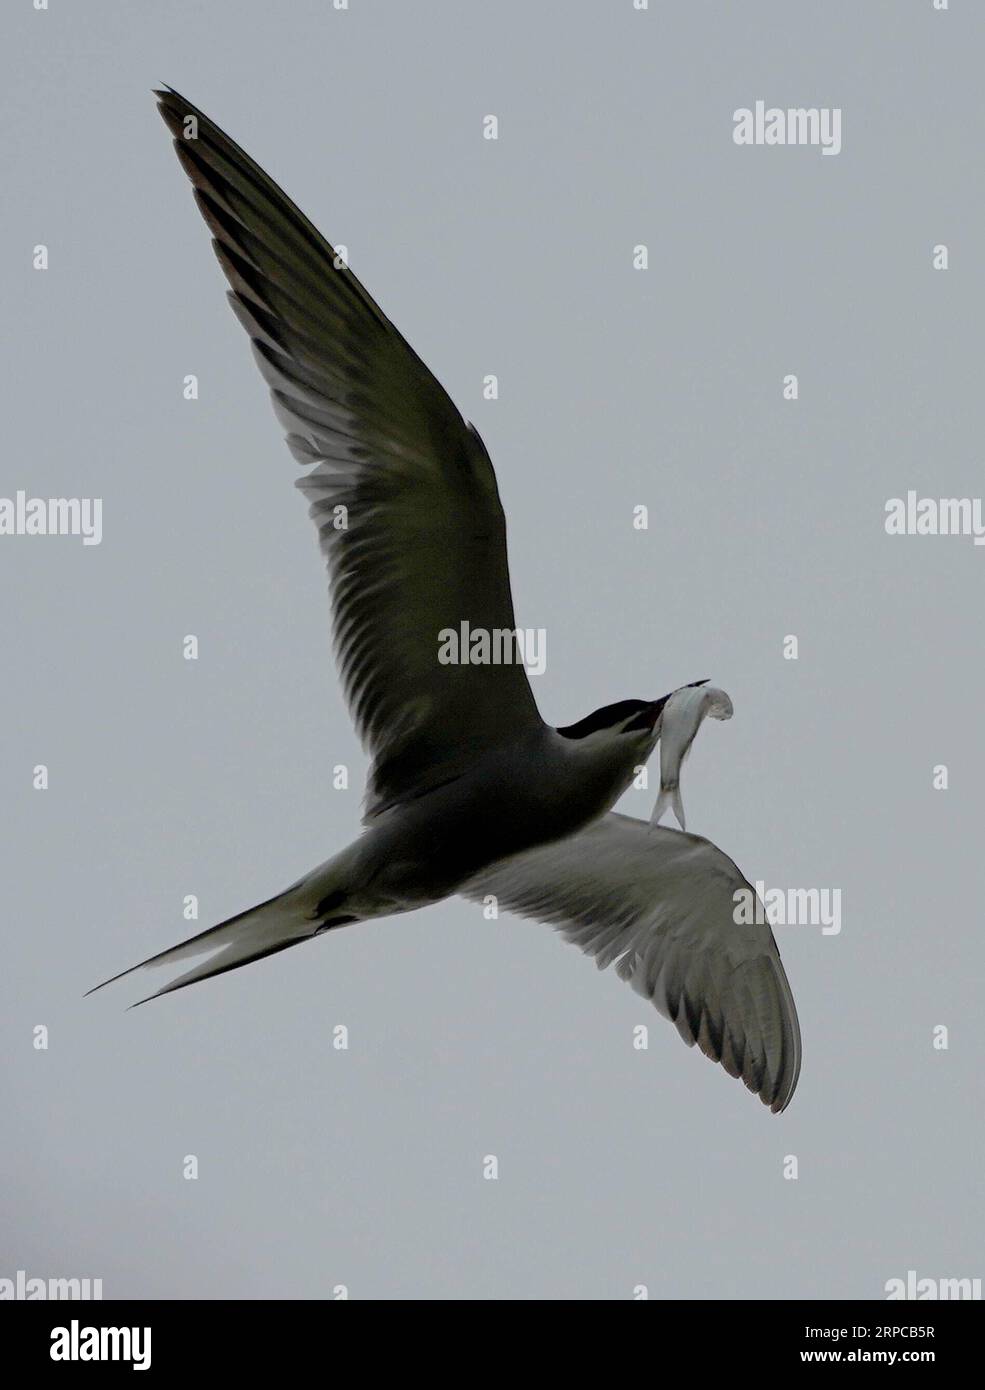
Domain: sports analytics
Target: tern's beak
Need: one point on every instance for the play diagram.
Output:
(648, 716)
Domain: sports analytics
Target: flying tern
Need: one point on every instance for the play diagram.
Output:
(469, 790)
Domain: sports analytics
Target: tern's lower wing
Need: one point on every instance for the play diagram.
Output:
(402, 490)
(662, 904)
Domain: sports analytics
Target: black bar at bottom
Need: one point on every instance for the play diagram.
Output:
(172, 1337)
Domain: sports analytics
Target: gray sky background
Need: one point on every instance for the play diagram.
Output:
(468, 1038)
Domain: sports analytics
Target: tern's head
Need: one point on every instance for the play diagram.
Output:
(630, 724)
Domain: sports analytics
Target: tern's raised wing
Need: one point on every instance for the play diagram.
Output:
(402, 490)
(661, 903)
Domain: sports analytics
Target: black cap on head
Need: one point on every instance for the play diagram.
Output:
(609, 716)
(647, 713)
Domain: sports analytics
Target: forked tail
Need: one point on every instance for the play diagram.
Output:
(307, 908)
(669, 799)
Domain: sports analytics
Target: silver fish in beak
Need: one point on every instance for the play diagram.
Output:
(682, 716)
